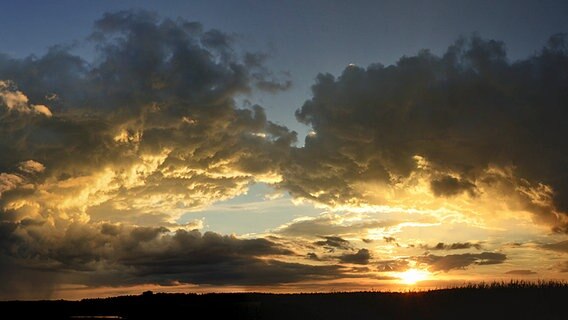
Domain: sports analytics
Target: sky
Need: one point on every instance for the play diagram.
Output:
(280, 146)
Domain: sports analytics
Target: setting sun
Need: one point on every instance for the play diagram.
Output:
(412, 276)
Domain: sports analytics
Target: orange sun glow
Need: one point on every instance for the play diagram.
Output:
(413, 276)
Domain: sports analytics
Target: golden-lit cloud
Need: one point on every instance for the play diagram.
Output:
(16, 101)
(435, 131)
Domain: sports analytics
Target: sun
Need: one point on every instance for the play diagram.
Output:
(411, 276)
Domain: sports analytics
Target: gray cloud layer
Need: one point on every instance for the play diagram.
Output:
(332, 242)
(109, 254)
(362, 256)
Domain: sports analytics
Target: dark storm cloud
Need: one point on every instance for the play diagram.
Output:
(391, 240)
(452, 246)
(460, 261)
(470, 122)
(362, 256)
(121, 255)
(331, 243)
(214, 259)
(450, 186)
(313, 256)
(397, 265)
(265, 79)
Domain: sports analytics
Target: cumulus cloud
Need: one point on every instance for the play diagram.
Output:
(395, 265)
(146, 131)
(153, 120)
(31, 166)
(9, 182)
(332, 243)
(362, 256)
(469, 124)
(452, 246)
(460, 261)
(313, 256)
(389, 239)
(150, 126)
(264, 79)
(12, 100)
(451, 186)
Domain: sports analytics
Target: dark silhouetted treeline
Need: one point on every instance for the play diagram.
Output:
(514, 300)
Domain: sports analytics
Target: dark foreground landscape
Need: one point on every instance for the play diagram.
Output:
(495, 301)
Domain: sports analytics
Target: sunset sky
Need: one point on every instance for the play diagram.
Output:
(280, 146)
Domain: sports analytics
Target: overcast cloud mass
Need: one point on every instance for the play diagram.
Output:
(101, 159)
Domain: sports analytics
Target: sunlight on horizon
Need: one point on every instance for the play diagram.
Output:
(412, 276)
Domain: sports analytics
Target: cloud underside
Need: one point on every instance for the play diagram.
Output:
(453, 246)
(468, 125)
(461, 261)
(118, 255)
(99, 159)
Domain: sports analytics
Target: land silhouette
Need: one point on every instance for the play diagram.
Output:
(514, 300)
